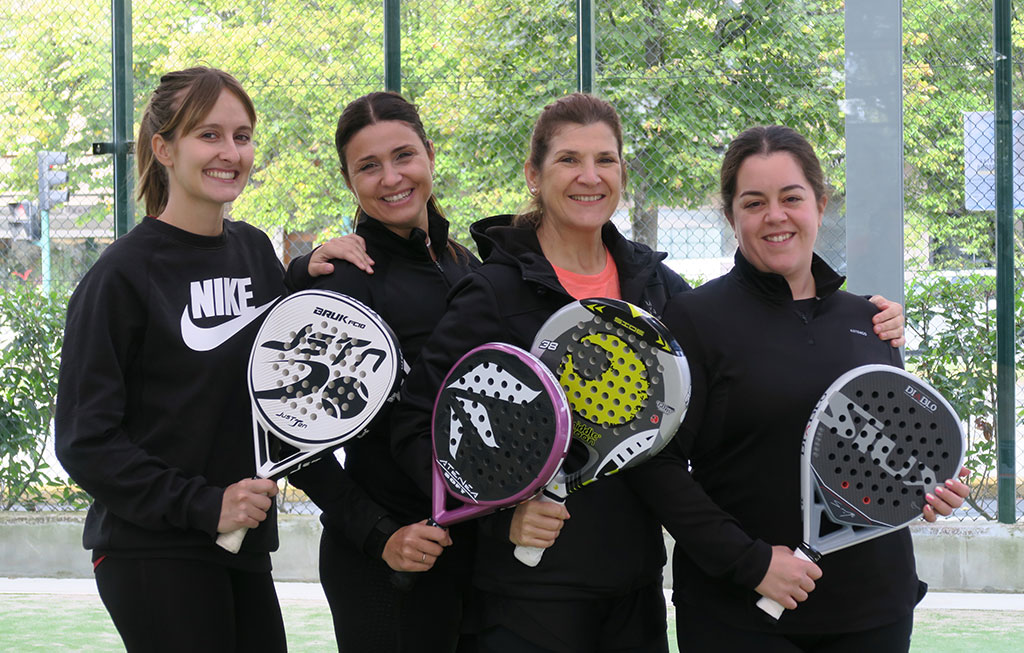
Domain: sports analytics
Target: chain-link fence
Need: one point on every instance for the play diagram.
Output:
(949, 214)
(685, 76)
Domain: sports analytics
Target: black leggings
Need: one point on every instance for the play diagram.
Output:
(371, 616)
(632, 623)
(189, 605)
(698, 631)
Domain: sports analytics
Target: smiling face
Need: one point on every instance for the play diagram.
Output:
(390, 171)
(209, 165)
(776, 217)
(580, 180)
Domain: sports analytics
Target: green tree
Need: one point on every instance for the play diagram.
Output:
(31, 334)
(947, 50)
(55, 81)
(300, 61)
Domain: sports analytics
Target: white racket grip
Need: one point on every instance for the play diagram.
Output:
(771, 606)
(232, 542)
(531, 555)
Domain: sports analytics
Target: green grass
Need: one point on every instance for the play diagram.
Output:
(40, 622)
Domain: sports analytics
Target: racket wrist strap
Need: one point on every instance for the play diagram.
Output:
(811, 554)
(555, 496)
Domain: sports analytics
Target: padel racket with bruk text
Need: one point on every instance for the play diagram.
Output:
(877, 442)
(321, 368)
(627, 382)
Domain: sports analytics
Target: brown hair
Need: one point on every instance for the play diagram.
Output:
(178, 104)
(766, 140)
(370, 109)
(577, 109)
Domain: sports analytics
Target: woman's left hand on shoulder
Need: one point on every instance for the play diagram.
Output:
(947, 497)
(351, 248)
(889, 320)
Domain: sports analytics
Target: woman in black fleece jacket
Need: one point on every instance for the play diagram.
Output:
(763, 343)
(373, 513)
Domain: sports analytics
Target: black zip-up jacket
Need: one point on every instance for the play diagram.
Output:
(370, 498)
(759, 362)
(612, 544)
(153, 417)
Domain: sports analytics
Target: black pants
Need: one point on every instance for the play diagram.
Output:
(372, 616)
(698, 631)
(188, 605)
(633, 623)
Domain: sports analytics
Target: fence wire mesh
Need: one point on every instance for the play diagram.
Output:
(685, 76)
(949, 216)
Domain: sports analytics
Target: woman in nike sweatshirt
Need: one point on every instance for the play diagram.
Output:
(152, 409)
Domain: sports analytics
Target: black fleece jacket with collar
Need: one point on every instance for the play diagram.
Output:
(370, 498)
(612, 544)
(759, 362)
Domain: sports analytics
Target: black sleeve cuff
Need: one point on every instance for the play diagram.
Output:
(378, 537)
(297, 277)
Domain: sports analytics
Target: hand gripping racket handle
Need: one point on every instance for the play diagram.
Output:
(531, 555)
(404, 580)
(773, 607)
(232, 542)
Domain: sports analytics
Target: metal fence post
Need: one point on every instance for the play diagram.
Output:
(874, 147)
(1005, 380)
(123, 147)
(585, 46)
(392, 45)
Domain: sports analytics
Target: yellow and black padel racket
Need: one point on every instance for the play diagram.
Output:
(627, 383)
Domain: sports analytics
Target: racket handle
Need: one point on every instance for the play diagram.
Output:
(232, 542)
(404, 580)
(771, 606)
(531, 555)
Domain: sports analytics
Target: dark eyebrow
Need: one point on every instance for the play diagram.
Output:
(783, 189)
(393, 151)
(218, 126)
(575, 153)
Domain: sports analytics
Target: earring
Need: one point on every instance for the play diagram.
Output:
(533, 191)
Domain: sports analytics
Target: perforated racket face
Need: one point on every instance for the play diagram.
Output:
(500, 426)
(321, 368)
(626, 379)
(878, 441)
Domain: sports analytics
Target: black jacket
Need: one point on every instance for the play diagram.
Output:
(370, 498)
(759, 362)
(611, 544)
(153, 417)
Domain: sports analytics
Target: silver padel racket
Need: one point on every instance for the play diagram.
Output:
(878, 440)
(627, 382)
(321, 368)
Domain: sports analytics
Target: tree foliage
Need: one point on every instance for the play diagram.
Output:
(685, 75)
(31, 334)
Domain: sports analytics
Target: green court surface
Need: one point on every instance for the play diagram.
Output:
(55, 622)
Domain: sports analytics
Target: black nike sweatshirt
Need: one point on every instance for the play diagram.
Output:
(153, 415)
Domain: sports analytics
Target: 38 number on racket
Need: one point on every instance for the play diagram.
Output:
(627, 382)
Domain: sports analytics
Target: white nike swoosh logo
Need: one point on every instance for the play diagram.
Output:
(200, 339)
